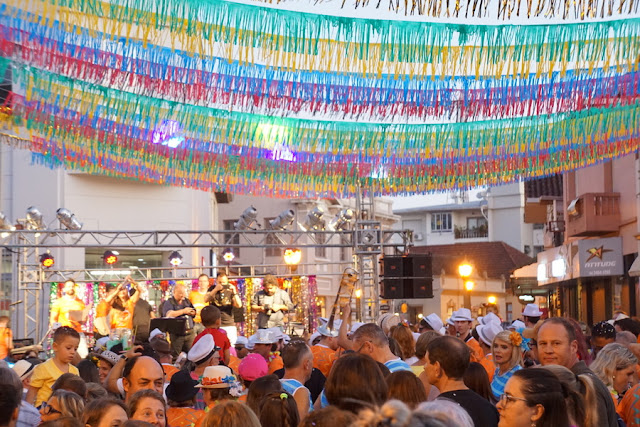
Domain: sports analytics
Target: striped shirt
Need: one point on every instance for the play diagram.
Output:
(499, 381)
(397, 365)
(291, 386)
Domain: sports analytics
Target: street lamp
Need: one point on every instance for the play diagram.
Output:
(358, 293)
(492, 299)
(464, 270)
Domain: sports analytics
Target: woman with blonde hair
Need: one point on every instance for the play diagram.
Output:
(507, 356)
(231, 413)
(583, 404)
(62, 403)
(615, 365)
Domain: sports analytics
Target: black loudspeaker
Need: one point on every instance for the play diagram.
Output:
(392, 288)
(407, 277)
(417, 271)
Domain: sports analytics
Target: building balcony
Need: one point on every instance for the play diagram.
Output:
(593, 214)
(471, 233)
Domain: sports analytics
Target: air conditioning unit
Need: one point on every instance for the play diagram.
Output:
(418, 237)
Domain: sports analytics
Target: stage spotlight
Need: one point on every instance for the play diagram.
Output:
(313, 221)
(342, 220)
(34, 219)
(282, 221)
(5, 226)
(228, 256)
(47, 260)
(247, 219)
(68, 219)
(175, 258)
(110, 257)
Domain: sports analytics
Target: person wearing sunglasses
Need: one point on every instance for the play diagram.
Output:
(534, 398)
(62, 403)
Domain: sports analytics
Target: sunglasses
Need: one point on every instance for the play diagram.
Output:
(48, 409)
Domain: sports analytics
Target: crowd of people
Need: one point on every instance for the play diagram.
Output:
(462, 372)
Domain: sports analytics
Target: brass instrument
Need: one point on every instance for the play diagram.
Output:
(345, 291)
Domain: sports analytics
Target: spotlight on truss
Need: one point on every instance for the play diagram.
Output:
(313, 221)
(247, 219)
(34, 219)
(282, 221)
(341, 220)
(175, 259)
(68, 219)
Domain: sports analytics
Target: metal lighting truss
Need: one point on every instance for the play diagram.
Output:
(368, 240)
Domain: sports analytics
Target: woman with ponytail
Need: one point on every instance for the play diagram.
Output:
(581, 398)
(534, 398)
(279, 409)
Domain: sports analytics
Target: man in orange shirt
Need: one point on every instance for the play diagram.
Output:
(197, 298)
(123, 304)
(325, 352)
(462, 319)
(70, 311)
(101, 325)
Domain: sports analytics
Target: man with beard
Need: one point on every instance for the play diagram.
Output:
(69, 310)
(225, 296)
(271, 303)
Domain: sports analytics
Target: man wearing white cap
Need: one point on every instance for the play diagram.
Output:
(325, 352)
(204, 353)
(486, 334)
(263, 340)
(462, 319)
(531, 315)
(489, 318)
(431, 322)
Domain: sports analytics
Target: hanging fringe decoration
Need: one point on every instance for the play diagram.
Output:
(505, 9)
(257, 89)
(296, 41)
(244, 153)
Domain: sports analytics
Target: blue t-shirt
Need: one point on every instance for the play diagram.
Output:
(397, 365)
(290, 386)
(499, 381)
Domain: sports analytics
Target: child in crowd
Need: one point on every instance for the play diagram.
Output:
(65, 345)
(6, 337)
(212, 320)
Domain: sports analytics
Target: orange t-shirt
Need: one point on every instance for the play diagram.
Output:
(68, 312)
(183, 417)
(476, 352)
(234, 363)
(203, 416)
(489, 366)
(275, 363)
(197, 299)
(6, 338)
(102, 309)
(169, 370)
(323, 358)
(123, 319)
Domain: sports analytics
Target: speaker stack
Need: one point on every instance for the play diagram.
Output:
(407, 277)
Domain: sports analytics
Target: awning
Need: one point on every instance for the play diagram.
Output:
(527, 271)
(634, 270)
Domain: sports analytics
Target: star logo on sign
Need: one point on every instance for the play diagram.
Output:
(597, 252)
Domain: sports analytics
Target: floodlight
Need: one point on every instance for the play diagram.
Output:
(313, 221)
(35, 219)
(282, 221)
(247, 219)
(342, 220)
(5, 226)
(292, 256)
(68, 219)
(228, 256)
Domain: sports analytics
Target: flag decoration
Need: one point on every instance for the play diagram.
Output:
(244, 98)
